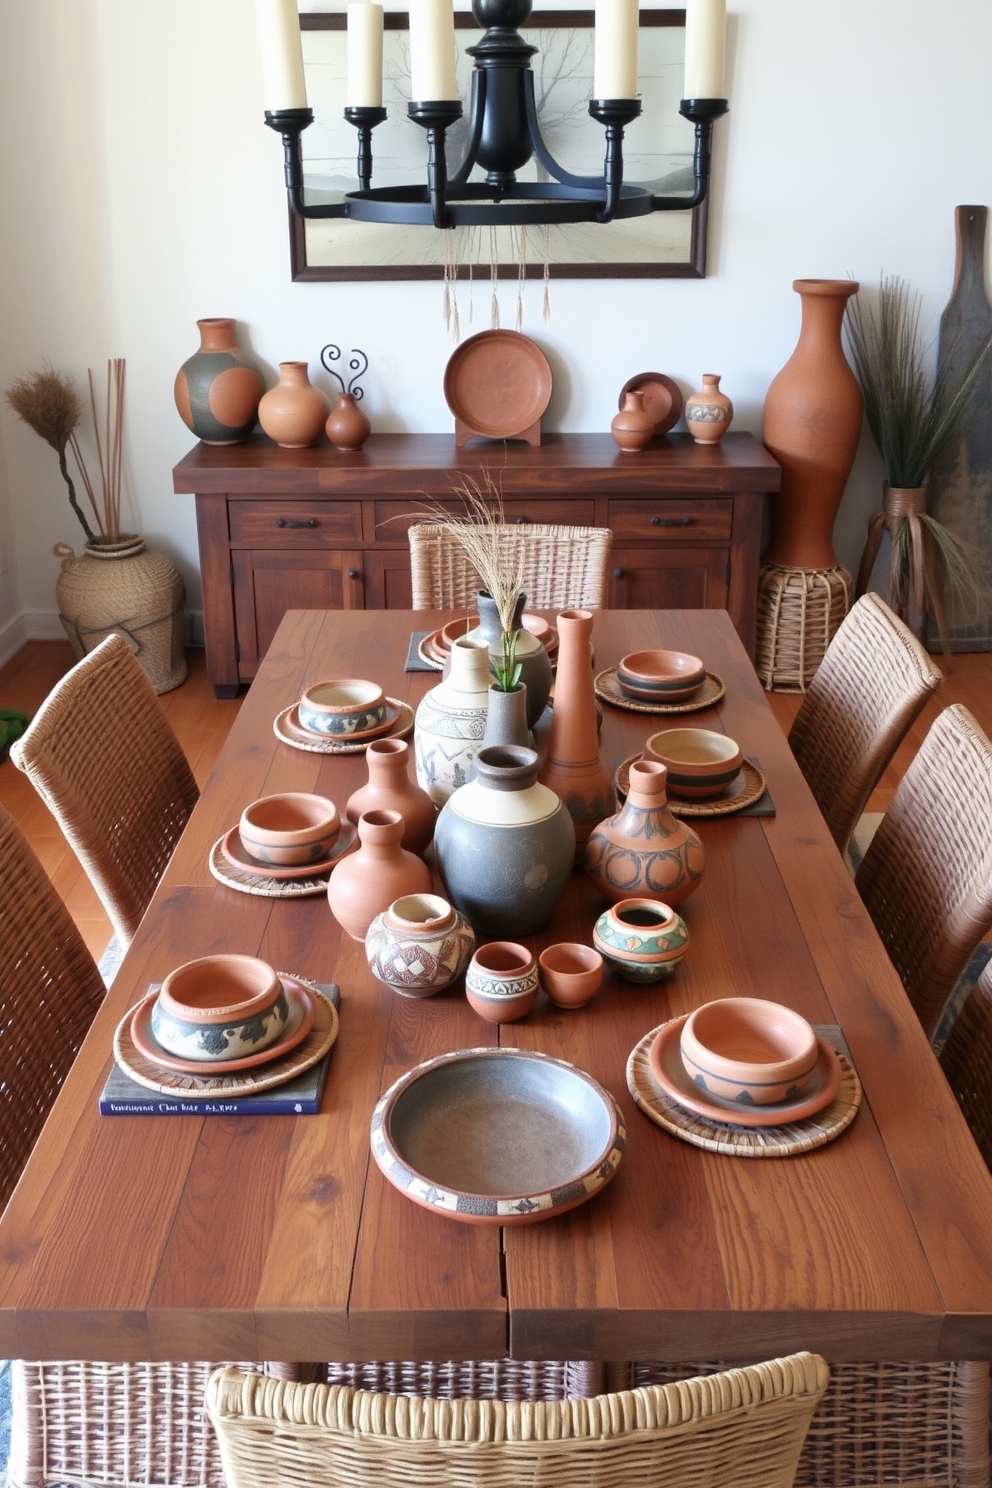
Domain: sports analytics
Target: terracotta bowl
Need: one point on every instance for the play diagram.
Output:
(289, 829)
(219, 1007)
(748, 1050)
(501, 983)
(660, 676)
(700, 762)
(343, 706)
(571, 973)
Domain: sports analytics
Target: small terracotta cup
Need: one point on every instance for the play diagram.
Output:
(700, 762)
(342, 707)
(501, 983)
(219, 1007)
(749, 1050)
(660, 676)
(571, 973)
(289, 829)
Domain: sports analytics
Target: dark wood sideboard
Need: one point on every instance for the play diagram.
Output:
(314, 528)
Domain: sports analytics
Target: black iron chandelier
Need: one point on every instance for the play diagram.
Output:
(504, 133)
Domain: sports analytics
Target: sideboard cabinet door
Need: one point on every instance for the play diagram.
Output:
(668, 579)
(267, 584)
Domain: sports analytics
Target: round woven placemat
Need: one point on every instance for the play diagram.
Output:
(264, 1077)
(608, 690)
(737, 1141)
(264, 888)
(400, 729)
(754, 789)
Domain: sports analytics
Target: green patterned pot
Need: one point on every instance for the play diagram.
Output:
(641, 939)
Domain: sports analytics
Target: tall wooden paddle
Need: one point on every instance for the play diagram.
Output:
(960, 486)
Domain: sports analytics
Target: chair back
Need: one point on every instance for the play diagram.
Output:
(966, 1060)
(926, 879)
(564, 568)
(49, 991)
(743, 1428)
(103, 757)
(867, 690)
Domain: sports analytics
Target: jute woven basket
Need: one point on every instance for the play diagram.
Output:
(799, 611)
(123, 588)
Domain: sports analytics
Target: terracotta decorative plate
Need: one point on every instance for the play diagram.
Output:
(662, 398)
(302, 1013)
(740, 793)
(498, 1136)
(498, 384)
(287, 728)
(730, 1139)
(266, 1077)
(608, 690)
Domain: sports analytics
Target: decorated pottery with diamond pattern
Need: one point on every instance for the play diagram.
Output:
(419, 945)
(642, 940)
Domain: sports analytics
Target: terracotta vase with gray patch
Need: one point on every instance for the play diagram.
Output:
(217, 391)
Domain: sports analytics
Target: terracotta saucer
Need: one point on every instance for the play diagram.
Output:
(237, 855)
(287, 728)
(671, 1075)
(302, 1012)
(662, 398)
(498, 384)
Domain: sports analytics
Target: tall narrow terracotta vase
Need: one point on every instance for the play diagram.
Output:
(573, 768)
(812, 424)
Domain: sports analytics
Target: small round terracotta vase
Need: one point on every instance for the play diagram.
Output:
(633, 427)
(390, 788)
(572, 766)
(709, 412)
(293, 412)
(347, 425)
(368, 881)
(217, 391)
(419, 945)
(641, 939)
(644, 850)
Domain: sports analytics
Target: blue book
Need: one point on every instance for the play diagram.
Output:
(122, 1096)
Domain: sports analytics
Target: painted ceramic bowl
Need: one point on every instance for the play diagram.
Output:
(571, 973)
(289, 829)
(749, 1050)
(642, 940)
(419, 945)
(660, 676)
(501, 983)
(219, 1007)
(342, 707)
(700, 762)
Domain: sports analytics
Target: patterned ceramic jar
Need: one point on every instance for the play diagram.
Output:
(501, 983)
(451, 721)
(219, 1007)
(641, 939)
(344, 708)
(419, 945)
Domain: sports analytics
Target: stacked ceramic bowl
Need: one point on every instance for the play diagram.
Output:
(660, 676)
(701, 763)
(436, 646)
(288, 836)
(345, 710)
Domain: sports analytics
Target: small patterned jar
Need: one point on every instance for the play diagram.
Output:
(419, 945)
(708, 413)
(501, 983)
(641, 939)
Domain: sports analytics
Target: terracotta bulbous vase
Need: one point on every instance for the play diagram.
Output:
(217, 390)
(347, 425)
(379, 872)
(293, 412)
(708, 413)
(390, 788)
(644, 851)
(633, 427)
(812, 424)
(572, 766)
(419, 945)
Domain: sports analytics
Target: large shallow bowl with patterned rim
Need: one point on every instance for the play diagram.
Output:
(498, 1136)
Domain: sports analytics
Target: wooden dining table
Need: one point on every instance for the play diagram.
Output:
(277, 1237)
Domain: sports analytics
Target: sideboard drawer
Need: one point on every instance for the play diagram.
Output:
(393, 518)
(294, 524)
(693, 519)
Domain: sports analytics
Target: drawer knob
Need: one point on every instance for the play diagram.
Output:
(288, 522)
(618, 573)
(671, 521)
(354, 573)
(520, 521)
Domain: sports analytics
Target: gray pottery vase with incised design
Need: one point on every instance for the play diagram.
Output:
(505, 845)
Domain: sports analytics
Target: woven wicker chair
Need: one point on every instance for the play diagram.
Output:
(103, 757)
(870, 685)
(966, 1060)
(926, 879)
(563, 567)
(743, 1428)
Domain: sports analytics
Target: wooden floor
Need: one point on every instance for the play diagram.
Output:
(202, 723)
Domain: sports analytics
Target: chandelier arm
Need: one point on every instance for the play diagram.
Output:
(364, 118)
(477, 114)
(436, 116)
(544, 155)
(290, 123)
(701, 112)
(613, 114)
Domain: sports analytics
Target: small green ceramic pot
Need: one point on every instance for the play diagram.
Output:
(641, 939)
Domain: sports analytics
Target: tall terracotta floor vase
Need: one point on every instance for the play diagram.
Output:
(812, 424)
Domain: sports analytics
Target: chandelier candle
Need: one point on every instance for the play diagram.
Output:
(282, 55)
(432, 51)
(615, 69)
(364, 56)
(705, 39)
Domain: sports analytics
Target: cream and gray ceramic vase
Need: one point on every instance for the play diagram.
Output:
(451, 721)
(535, 668)
(505, 845)
(419, 945)
(644, 851)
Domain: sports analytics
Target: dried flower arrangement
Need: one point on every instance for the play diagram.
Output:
(49, 403)
(914, 419)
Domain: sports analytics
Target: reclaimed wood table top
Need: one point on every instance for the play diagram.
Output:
(187, 1237)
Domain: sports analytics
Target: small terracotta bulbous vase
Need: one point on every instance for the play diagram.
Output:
(390, 788)
(347, 425)
(293, 412)
(419, 945)
(644, 850)
(709, 412)
(633, 427)
(572, 767)
(217, 391)
(379, 872)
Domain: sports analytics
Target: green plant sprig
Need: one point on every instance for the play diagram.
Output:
(507, 670)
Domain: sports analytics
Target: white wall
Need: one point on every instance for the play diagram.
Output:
(140, 191)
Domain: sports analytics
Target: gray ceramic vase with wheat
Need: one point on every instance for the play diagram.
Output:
(535, 667)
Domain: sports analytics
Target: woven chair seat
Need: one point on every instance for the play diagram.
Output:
(563, 567)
